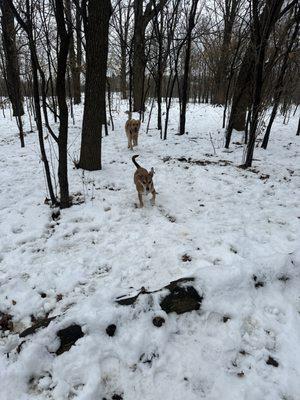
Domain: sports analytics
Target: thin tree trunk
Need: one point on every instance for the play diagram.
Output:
(123, 71)
(109, 96)
(77, 86)
(28, 28)
(65, 38)
(21, 131)
(185, 83)
(75, 69)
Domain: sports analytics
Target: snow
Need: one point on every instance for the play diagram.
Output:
(234, 224)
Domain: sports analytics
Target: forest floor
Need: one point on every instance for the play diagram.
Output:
(235, 231)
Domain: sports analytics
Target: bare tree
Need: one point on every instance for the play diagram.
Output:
(279, 86)
(262, 26)
(27, 26)
(141, 20)
(247, 93)
(121, 22)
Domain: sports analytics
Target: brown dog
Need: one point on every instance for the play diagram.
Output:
(143, 182)
(132, 128)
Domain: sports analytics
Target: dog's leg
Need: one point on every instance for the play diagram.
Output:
(141, 200)
(153, 197)
(130, 143)
(128, 140)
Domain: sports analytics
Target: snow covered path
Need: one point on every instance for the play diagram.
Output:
(239, 231)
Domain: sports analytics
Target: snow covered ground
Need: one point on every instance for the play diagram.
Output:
(237, 230)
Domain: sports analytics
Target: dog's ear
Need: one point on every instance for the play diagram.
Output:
(139, 124)
(152, 171)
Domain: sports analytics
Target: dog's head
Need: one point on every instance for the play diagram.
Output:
(135, 125)
(146, 180)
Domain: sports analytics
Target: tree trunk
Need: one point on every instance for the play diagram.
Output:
(141, 20)
(12, 66)
(75, 69)
(262, 26)
(123, 71)
(230, 10)
(250, 69)
(241, 95)
(123, 36)
(28, 28)
(279, 85)
(138, 67)
(65, 38)
(159, 32)
(185, 87)
(96, 65)
(268, 130)
(159, 97)
(185, 83)
(77, 72)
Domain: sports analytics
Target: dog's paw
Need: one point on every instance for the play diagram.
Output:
(138, 205)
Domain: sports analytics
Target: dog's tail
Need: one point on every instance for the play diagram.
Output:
(129, 113)
(134, 162)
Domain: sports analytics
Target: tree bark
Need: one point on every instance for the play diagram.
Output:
(123, 72)
(138, 67)
(75, 69)
(65, 39)
(96, 66)
(185, 83)
(77, 72)
(13, 81)
(241, 95)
